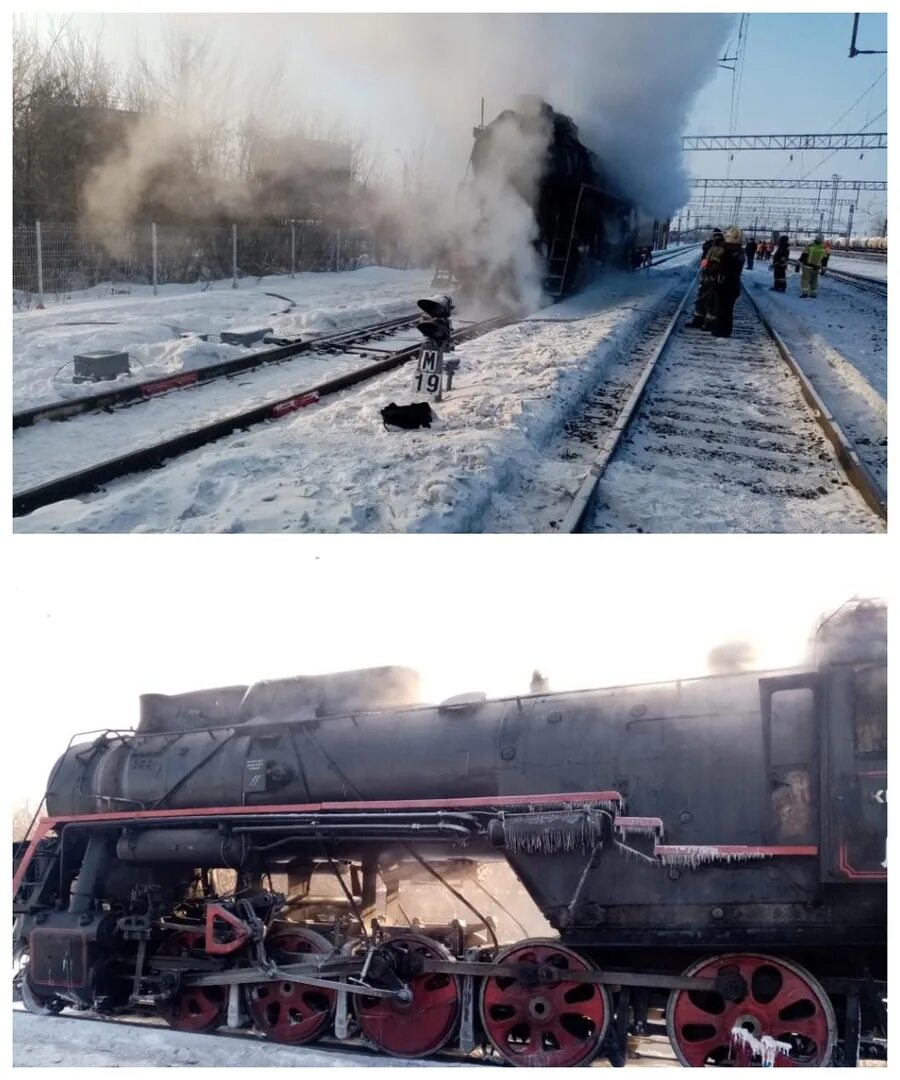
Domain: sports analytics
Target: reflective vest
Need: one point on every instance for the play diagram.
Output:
(814, 254)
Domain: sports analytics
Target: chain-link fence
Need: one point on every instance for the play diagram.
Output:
(53, 258)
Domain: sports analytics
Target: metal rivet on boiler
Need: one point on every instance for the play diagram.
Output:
(508, 753)
(685, 817)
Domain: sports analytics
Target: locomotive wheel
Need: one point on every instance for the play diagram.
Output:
(419, 1027)
(193, 1008)
(39, 1003)
(543, 1023)
(290, 1012)
(782, 1001)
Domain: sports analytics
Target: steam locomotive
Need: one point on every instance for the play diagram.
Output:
(709, 855)
(582, 222)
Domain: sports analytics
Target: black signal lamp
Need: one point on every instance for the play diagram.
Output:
(438, 307)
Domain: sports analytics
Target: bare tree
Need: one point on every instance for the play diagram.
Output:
(22, 815)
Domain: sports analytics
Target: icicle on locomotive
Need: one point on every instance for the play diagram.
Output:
(714, 847)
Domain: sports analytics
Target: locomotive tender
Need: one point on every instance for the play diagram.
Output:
(714, 845)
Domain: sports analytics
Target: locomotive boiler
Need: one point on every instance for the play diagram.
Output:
(582, 220)
(709, 855)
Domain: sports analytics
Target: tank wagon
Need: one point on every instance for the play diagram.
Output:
(582, 221)
(709, 853)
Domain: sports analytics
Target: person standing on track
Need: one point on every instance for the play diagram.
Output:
(780, 264)
(750, 250)
(704, 286)
(726, 271)
(812, 262)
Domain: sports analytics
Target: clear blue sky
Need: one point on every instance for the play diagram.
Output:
(798, 77)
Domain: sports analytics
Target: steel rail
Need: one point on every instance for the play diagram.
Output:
(86, 481)
(668, 256)
(854, 467)
(847, 455)
(869, 284)
(584, 497)
(147, 389)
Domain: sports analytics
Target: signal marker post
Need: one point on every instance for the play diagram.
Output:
(431, 366)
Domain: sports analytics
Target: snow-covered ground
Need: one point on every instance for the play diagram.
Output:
(334, 467)
(60, 1042)
(840, 341)
(162, 333)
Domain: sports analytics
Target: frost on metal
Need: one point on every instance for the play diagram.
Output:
(548, 832)
(767, 1049)
(640, 826)
(694, 855)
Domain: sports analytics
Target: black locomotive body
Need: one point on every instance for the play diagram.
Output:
(583, 223)
(720, 841)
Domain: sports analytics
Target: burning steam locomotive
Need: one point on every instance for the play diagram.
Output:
(710, 856)
(582, 223)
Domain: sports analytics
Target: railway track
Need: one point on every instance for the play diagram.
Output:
(92, 477)
(855, 281)
(135, 393)
(723, 433)
(693, 433)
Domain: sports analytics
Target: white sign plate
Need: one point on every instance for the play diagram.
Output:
(429, 375)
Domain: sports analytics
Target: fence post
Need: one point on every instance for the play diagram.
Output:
(153, 238)
(337, 251)
(293, 246)
(234, 256)
(40, 265)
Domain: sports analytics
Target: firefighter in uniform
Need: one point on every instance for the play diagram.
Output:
(780, 264)
(812, 262)
(725, 265)
(704, 286)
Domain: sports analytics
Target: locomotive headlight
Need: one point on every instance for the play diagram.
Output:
(438, 307)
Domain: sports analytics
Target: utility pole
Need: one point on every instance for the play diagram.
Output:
(862, 52)
(834, 194)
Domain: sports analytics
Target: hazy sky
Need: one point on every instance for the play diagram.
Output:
(797, 78)
(99, 620)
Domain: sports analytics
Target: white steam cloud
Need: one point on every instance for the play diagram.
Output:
(628, 81)
(411, 86)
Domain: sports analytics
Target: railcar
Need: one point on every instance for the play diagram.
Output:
(708, 857)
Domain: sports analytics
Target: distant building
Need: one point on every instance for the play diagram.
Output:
(302, 178)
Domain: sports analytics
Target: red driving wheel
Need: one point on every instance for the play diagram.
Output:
(290, 1012)
(783, 1004)
(536, 1021)
(421, 1026)
(193, 1008)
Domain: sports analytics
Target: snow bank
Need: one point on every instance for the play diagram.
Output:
(840, 341)
(162, 333)
(65, 1041)
(336, 468)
